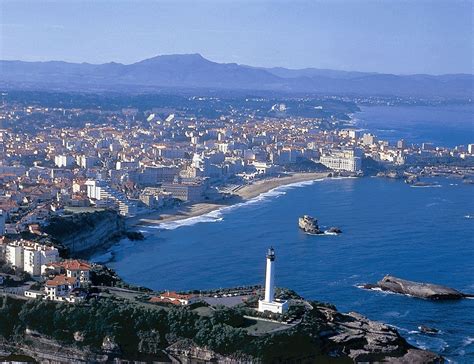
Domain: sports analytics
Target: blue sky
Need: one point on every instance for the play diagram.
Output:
(383, 36)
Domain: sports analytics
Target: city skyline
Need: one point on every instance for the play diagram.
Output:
(399, 38)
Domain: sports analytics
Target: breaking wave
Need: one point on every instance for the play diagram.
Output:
(217, 215)
(428, 186)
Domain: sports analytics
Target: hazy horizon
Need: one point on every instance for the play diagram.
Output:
(368, 36)
(241, 64)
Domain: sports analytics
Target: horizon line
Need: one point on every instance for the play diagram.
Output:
(242, 65)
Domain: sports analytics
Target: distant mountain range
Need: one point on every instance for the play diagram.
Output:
(190, 71)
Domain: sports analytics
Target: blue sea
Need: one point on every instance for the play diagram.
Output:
(417, 233)
(446, 126)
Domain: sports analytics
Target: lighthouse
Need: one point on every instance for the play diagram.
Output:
(270, 276)
(269, 303)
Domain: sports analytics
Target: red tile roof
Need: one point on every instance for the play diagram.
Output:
(163, 300)
(176, 296)
(74, 264)
(61, 280)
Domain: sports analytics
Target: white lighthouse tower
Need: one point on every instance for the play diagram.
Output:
(269, 303)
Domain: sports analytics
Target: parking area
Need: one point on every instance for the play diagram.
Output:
(228, 301)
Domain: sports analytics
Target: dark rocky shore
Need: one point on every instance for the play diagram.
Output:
(323, 335)
(417, 289)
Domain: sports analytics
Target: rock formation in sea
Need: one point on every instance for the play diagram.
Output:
(417, 289)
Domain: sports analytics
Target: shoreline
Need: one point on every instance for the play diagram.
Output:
(185, 211)
(243, 194)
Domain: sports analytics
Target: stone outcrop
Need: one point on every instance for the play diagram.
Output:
(45, 350)
(353, 335)
(336, 336)
(309, 225)
(85, 232)
(416, 289)
(186, 351)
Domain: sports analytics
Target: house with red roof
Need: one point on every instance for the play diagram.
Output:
(73, 268)
(63, 288)
(176, 298)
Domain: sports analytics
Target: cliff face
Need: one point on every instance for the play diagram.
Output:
(45, 350)
(323, 335)
(82, 233)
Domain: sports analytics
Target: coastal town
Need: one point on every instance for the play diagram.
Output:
(74, 181)
(106, 170)
(236, 182)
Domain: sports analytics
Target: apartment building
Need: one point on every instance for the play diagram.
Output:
(342, 160)
(189, 192)
(30, 256)
(100, 190)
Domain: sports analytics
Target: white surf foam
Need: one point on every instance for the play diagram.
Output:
(380, 290)
(429, 186)
(171, 225)
(468, 341)
(113, 251)
(217, 215)
(435, 344)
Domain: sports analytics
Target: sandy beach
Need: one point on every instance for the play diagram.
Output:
(244, 193)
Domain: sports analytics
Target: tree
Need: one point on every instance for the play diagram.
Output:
(149, 342)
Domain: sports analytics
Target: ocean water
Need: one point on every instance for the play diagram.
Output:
(417, 233)
(446, 126)
(424, 234)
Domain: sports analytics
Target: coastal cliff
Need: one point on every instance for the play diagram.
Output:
(85, 232)
(108, 329)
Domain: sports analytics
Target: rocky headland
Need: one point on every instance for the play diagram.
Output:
(111, 330)
(83, 234)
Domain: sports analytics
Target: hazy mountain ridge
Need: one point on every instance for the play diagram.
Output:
(195, 71)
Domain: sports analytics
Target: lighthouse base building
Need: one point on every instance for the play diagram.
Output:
(275, 306)
(269, 303)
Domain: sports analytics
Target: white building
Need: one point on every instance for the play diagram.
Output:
(86, 162)
(30, 256)
(36, 255)
(62, 288)
(32, 261)
(73, 268)
(269, 303)
(265, 168)
(64, 160)
(126, 165)
(99, 190)
(14, 255)
(190, 191)
(344, 160)
(176, 298)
